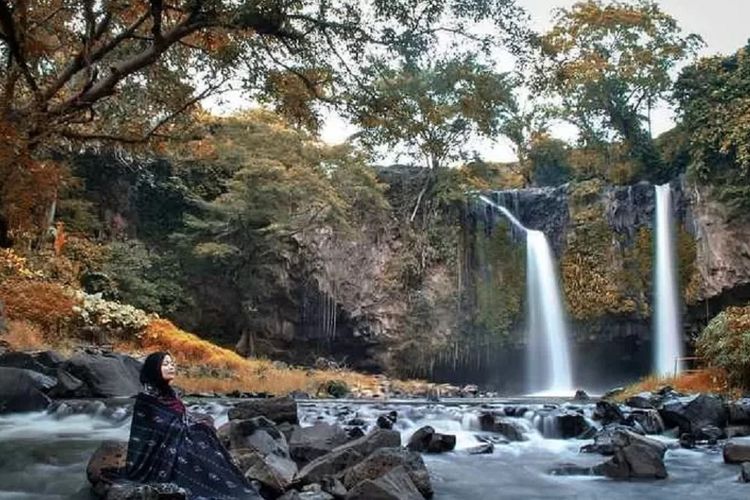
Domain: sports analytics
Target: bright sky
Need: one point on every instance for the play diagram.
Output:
(723, 25)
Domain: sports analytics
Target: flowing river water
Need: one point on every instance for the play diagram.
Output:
(43, 456)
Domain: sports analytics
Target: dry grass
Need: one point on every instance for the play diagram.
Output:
(24, 336)
(705, 380)
(224, 370)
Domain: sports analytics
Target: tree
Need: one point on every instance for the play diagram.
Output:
(609, 63)
(714, 106)
(131, 71)
(431, 109)
(523, 126)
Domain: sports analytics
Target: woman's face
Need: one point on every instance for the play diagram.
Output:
(168, 369)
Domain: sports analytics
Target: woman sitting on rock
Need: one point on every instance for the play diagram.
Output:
(167, 445)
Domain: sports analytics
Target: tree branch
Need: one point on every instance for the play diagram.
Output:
(8, 26)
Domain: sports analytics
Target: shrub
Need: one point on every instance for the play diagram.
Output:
(725, 343)
(47, 305)
(109, 319)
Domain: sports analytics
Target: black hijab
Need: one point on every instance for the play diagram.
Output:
(151, 372)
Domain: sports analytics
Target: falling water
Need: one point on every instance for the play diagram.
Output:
(548, 356)
(668, 344)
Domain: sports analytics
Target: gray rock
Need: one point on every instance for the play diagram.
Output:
(425, 439)
(613, 392)
(309, 443)
(737, 431)
(378, 438)
(745, 472)
(649, 421)
(643, 400)
(277, 409)
(481, 449)
(604, 440)
(262, 442)
(328, 465)
(16, 359)
(737, 451)
(306, 495)
(608, 413)
(510, 429)
(739, 412)
(691, 413)
(273, 472)
(106, 375)
(21, 390)
(386, 459)
(395, 485)
(635, 457)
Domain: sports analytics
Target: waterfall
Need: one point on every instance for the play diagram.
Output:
(667, 342)
(548, 355)
(547, 349)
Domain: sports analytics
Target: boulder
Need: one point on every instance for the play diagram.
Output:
(273, 472)
(565, 424)
(581, 395)
(737, 431)
(510, 429)
(387, 420)
(649, 421)
(21, 390)
(691, 413)
(737, 451)
(427, 440)
(68, 386)
(604, 440)
(386, 459)
(394, 485)
(643, 400)
(481, 449)
(17, 359)
(745, 472)
(378, 438)
(105, 375)
(613, 392)
(739, 412)
(309, 443)
(328, 465)
(277, 409)
(635, 457)
(608, 413)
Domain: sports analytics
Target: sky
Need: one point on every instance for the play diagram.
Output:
(723, 25)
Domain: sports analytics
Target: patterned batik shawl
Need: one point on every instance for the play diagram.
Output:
(166, 447)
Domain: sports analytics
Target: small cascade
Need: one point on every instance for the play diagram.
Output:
(668, 345)
(549, 369)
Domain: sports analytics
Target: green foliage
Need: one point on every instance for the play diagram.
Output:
(431, 108)
(500, 284)
(148, 279)
(715, 108)
(549, 162)
(725, 343)
(608, 62)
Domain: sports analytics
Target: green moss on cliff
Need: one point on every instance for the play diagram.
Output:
(500, 283)
(592, 269)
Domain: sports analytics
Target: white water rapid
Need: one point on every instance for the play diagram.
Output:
(548, 356)
(668, 346)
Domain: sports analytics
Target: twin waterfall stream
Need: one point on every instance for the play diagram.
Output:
(548, 361)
